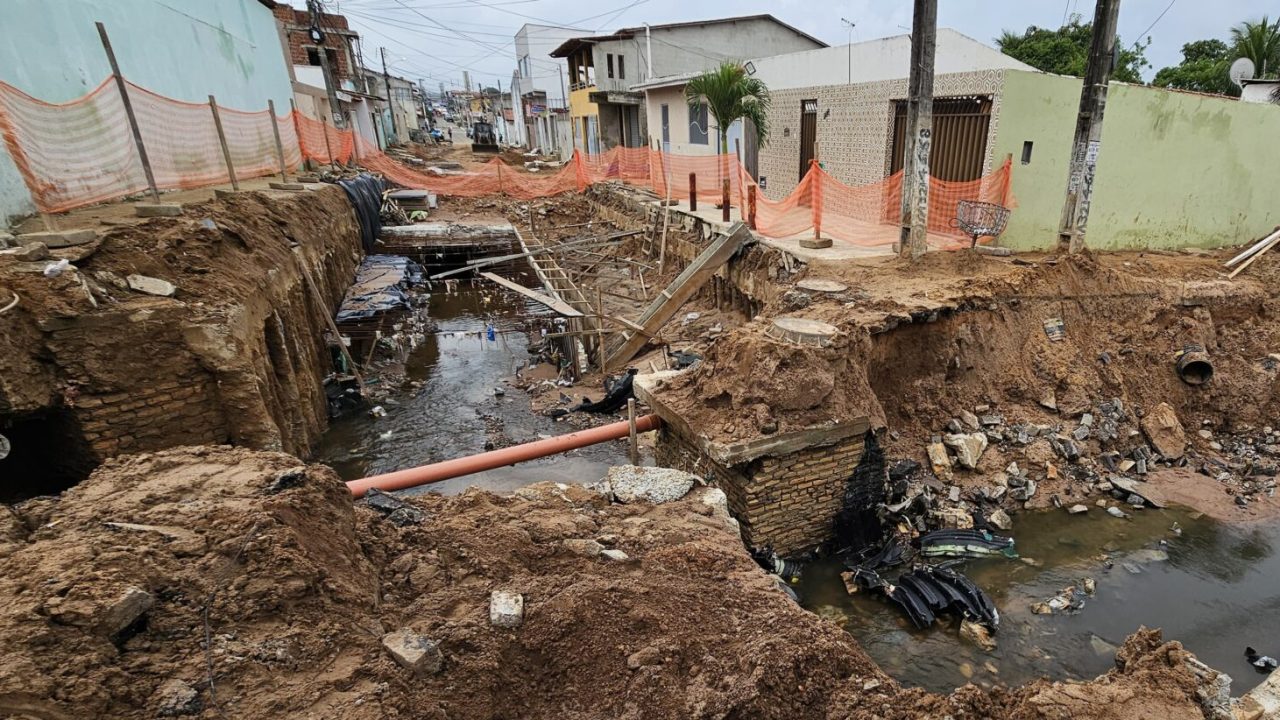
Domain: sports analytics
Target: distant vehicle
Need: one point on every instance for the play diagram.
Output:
(483, 139)
(437, 134)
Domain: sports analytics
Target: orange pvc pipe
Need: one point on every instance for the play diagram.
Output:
(436, 472)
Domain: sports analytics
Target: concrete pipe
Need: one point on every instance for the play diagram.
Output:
(436, 472)
(1194, 366)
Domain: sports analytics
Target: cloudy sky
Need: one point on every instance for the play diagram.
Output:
(437, 39)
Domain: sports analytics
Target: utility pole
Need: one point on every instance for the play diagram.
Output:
(1084, 151)
(386, 79)
(318, 37)
(851, 25)
(912, 241)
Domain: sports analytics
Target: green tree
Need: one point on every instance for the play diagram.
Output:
(1204, 68)
(731, 94)
(1065, 51)
(1260, 42)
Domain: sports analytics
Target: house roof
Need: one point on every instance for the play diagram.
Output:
(573, 44)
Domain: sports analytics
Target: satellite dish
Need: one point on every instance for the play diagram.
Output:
(1241, 70)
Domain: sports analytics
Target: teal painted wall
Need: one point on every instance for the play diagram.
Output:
(184, 49)
(1174, 169)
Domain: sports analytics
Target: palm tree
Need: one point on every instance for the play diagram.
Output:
(731, 94)
(1260, 42)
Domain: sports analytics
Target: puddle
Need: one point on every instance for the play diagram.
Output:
(448, 415)
(1217, 592)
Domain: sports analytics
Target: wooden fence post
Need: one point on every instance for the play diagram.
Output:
(275, 130)
(693, 192)
(222, 140)
(128, 111)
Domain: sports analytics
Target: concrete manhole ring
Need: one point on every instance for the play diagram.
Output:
(802, 331)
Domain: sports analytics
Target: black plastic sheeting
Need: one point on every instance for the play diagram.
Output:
(380, 286)
(615, 398)
(365, 193)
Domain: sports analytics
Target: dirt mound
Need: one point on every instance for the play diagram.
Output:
(216, 582)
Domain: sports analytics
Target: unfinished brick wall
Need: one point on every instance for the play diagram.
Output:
(297, 23)
(790, 502)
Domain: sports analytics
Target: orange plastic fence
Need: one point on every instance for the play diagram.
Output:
(82, 152)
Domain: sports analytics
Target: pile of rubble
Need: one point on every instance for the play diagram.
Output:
(985, 465)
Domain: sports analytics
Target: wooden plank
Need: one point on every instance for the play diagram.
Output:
(556, 305)
(681, 289)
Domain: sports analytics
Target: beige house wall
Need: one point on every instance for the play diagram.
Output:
(855, 125)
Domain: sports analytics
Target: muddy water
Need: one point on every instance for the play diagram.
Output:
(1214, 588)
(454, 409)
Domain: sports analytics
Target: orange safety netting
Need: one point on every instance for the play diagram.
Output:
(82, 152)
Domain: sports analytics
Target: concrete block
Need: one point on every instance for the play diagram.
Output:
(615, 555)
(413, 652)
(506, 609)
(815, 243)
(224, 193)
(295, 186)
(583, 547)
(7, 240)
(151, 286)
(993, 250)
(149, 210)
(34, 252)
(632, 483)
(58, 238)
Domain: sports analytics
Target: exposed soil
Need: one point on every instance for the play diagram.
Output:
(271, 592)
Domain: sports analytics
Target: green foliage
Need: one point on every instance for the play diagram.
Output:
(731, 94)
(1260, 42)
(1065, 51)
(1203, 68)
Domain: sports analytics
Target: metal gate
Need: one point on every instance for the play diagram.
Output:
(959, 141)
(808, 133)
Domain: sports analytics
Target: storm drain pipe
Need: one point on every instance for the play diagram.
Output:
(436, 472)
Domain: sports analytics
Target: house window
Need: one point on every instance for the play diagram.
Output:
(610, 60)
(698, 125)
(622, 75)
(313, 56)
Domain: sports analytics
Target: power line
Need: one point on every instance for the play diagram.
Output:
(1153, 22)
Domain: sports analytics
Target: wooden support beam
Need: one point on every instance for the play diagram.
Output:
(681, 289)
(560, 307)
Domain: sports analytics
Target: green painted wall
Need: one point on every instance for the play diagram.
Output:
(1174, 169)
(184, 49)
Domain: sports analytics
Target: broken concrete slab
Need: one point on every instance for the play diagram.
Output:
(615, 555)
(34, 252)
(150, 210)
(1144, 490)
(58, 238)
(293, 186)
(506, 609)
(1000, 520)
(656, 485)
(413, 652)
(151, 286)
(1164, 431)
(224, 193)
(968, 446)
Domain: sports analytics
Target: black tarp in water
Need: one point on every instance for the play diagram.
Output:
(365, 193)
(380, 286)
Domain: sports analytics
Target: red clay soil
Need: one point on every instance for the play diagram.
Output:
(271, 592)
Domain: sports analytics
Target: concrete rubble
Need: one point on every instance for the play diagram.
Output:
(506, 609)
(415, 652)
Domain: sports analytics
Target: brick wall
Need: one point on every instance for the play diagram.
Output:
(296, 25)
(790, 502)
(167, 413)
(855, 125)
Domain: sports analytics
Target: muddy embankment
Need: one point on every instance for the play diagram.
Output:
(91, 367)
(213, 582)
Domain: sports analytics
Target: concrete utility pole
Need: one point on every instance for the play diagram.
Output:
(318, 37)
(1084, 151)
(386, 79)
(912, 242)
